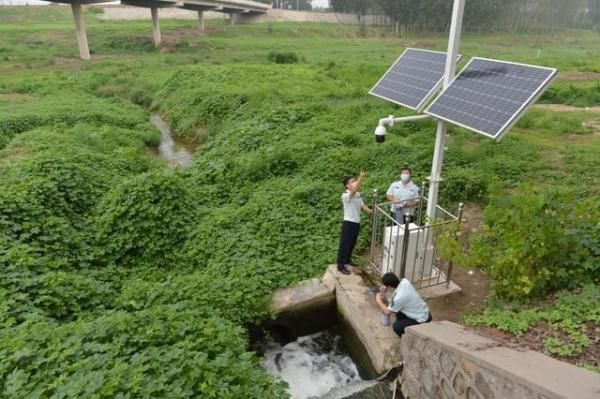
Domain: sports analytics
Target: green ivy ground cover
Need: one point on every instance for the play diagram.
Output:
(121, 278)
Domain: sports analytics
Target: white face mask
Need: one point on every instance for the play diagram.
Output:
(404, 177)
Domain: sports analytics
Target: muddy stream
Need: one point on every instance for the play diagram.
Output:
(177, 152)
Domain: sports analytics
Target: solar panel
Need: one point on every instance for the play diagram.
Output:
(412, 79)
(489, 96)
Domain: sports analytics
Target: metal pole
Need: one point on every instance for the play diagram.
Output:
(84, 51)
(374, 227)
(451, 264)
(420, 214)
(404, 246)
(155, 27)
(440, 141)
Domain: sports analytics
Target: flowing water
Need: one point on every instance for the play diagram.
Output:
(176, 152)
(311, 365)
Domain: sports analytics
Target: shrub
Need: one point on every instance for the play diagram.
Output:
(143, 220)
(584, 96)
(173, 351)
(535, 243)
(281, 57)
(464, 184)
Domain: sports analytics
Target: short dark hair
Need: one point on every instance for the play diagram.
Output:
(347, 179)
(390, 280)
(406, 168)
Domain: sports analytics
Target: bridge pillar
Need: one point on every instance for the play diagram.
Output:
(201, 20)
(232, 18)
(155, 27)
(84, 51)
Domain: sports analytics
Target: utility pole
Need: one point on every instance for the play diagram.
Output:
(440, 140)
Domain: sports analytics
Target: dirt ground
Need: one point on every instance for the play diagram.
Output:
(475, 290)
(566, 108)
(474, 284)
(579, 75)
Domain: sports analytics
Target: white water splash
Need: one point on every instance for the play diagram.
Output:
(311, 365)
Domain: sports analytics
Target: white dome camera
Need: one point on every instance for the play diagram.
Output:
(380, 132)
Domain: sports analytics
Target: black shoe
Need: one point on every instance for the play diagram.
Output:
(343, 270)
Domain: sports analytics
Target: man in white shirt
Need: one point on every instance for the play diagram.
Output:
(404, 196)
(353, 204)
(406, 303)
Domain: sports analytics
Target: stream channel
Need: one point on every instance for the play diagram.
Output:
(312, 365)
(177, 152)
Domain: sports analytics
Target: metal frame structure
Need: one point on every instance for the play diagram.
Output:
(408, 248)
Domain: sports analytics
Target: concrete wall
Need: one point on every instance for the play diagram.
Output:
(278, 15)
(117, 12)
(446, 360)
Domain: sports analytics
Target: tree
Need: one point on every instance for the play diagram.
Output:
(302, 5)
(394, 9)
(593, 10)
(359, 7)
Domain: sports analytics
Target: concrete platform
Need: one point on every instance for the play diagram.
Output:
(439, 290)
(307, 294)
(309, 302)
(356, 304)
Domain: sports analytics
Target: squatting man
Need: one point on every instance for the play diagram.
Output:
(406, 303)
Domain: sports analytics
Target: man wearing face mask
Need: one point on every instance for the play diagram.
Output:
(404, 196)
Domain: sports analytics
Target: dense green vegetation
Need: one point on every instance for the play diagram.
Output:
(121, 277)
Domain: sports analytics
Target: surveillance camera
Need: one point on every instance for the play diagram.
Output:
(380, 132)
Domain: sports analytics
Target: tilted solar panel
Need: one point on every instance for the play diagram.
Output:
(489, 96)
(412, 79)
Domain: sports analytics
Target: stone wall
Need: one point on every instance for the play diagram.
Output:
(446, 360)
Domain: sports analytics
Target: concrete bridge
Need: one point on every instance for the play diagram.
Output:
(231, 7)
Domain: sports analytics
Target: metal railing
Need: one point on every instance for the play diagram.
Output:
(409, 249)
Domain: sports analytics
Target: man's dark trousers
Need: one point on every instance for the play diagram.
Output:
(347, 242)
(403, 321)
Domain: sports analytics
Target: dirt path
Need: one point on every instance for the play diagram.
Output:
(579, 75)
(566, 108)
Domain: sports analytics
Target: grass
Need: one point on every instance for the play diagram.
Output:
(87, 248)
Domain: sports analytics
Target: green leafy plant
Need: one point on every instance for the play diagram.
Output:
(568, 315)
(279, 57)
